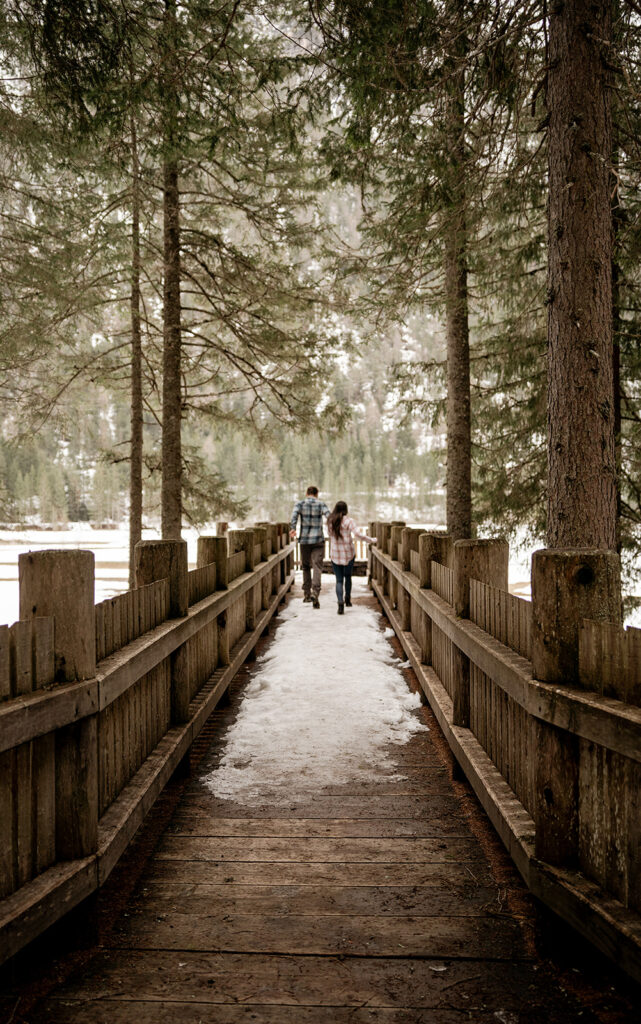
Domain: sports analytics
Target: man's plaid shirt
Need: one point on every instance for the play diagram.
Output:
(311, 512)
(341, 549)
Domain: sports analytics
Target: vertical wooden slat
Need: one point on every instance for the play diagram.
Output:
(7, 834)
(5, 663)
(24, 812)
(21, 653)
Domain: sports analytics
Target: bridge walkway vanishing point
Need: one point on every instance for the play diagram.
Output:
(316, 872)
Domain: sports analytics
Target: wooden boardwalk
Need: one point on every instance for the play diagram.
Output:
(359, 904)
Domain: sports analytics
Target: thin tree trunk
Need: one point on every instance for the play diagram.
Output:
(135, 469)
(581, 450)
(171, 497)
(459, 444)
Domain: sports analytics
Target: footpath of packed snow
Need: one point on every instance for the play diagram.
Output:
(325, 702)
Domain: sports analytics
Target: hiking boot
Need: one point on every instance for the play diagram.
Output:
(306, 599)
(341, 609)
(315, 602)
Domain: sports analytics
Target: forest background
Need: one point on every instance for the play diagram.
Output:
(311, 147)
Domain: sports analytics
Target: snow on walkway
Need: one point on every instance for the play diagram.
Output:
(325, 702)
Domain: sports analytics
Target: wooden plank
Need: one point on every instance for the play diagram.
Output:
(20, 646)
(7, 832)
(366, 935)
(202, 823)
(5, 663)
(44, 794)
(115, 1011)
(23, 812)
(329, 900)
(407, 851)
(302, 982)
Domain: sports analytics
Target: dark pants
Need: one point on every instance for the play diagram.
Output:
(343, 573)
(311, 559)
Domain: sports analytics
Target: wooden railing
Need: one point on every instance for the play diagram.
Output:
(96, 714)
(360, 546)
(541, 705)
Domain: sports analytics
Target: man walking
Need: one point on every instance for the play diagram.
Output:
(311, 512)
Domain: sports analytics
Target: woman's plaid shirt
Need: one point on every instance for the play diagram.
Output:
(341, 549)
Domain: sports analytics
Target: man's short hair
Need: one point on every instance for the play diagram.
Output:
(313, 491)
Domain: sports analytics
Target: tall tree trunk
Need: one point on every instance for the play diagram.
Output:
(171, 497)
(459, 444)
(135, 468)
(616, 339)
(581, 455)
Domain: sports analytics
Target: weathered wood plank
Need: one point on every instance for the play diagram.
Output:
(408, 851)
(203, 823)
(356, 935)
(304, 981)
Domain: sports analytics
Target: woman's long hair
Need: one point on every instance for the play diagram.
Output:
(335, 518)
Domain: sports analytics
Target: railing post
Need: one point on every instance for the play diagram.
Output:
(432, 547)
(160, 560)
(167, 559)
(214, 549)
(243, 540)
(567, 587)
(221, 529)
(261, 535)
(371, 529)
(486, 561)
(394, 544)
(61, 584)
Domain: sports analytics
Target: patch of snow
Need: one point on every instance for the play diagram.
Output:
(326, 702)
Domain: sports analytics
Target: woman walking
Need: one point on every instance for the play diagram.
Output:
(342, 530)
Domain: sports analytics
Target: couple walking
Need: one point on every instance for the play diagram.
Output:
(341, 530)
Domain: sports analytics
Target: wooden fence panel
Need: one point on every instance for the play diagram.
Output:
(124, 618)
(203, 657)
(502, 727)
(201, 582)
(236, 618)
(27, 772)
(610, 784)
(415, 562)
(236, 563)
(504, 616)
(443, 582)
(610, 660)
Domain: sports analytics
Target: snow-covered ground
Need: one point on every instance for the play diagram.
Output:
(325, 702)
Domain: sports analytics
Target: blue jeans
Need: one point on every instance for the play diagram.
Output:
(343, 572)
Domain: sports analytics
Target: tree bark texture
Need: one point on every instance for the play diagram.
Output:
(459, 445)
(581, 455)
(136, 453)
(171, 498)
(616, 323)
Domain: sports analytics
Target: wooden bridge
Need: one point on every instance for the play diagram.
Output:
(379, 903)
